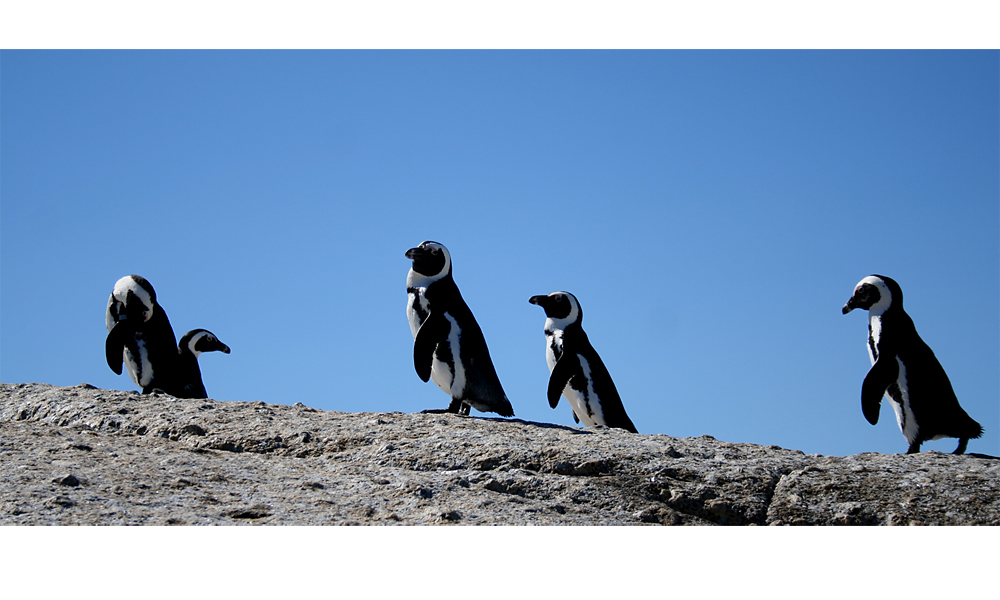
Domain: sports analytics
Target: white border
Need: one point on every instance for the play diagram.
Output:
(634, 24)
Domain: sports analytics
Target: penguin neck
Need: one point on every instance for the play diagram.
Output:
(189, 366)
(562, 328)
(555, 326)
(415, 280)
(187, 355)
(569, 322)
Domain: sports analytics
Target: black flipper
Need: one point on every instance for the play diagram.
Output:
(879, 378)
(114, 347)
(433, 330)
(560, 376)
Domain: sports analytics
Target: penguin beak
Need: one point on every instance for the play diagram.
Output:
(212, 346)
(539, 300)
(413, 253)
(851, 305)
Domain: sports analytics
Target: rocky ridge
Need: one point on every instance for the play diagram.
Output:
(82, 455)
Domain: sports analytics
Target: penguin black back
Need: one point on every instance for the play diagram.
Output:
(448, 344)
(905, 370)
(576, 369)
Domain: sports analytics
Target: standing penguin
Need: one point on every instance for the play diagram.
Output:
(905, 370)
(139, 335)
(187, 382)
(448, 345)
(577, 371)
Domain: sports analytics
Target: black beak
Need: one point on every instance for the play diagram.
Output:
(413, 253)
(539, 300)
(849, 306)
(216, 346)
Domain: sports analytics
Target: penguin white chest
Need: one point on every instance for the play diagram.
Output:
(579, 391)
(140, 369)
(447, 370)
(901, 405)
(904, 412)
(583, 398)
(874, 335)
(417, 309)
(553, 347)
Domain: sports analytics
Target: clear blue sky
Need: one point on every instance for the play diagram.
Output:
(712, 211)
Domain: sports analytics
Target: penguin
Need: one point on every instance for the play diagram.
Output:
(905, 370)
(186, 382)
(139, 334)
(448, 345)
(577, 371)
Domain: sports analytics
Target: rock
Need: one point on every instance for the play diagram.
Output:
(159, 460)
(67, 480)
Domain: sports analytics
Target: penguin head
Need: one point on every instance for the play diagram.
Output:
(132, 299)
(562, 307)
(197, 341)
(875, 293)
(431, 260)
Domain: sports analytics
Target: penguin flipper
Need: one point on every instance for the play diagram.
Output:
(559, 379)
(432, 331)
(114, 347)
(878, 379)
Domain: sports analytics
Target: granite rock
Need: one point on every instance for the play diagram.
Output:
(82, 455)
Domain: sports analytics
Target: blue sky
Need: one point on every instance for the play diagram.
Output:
(712, 211)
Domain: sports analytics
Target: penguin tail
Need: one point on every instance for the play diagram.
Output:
(504, 409)
(965, 427)
(975, 430)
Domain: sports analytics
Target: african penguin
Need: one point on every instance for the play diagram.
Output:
(905, 370)
(139, 335)
(187, 382)
(577, 371)
(448, 345)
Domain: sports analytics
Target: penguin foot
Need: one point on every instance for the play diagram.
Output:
(914, 448)
(962, 444)
(456, 407)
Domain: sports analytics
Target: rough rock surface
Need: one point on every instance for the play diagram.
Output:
(81, 455)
